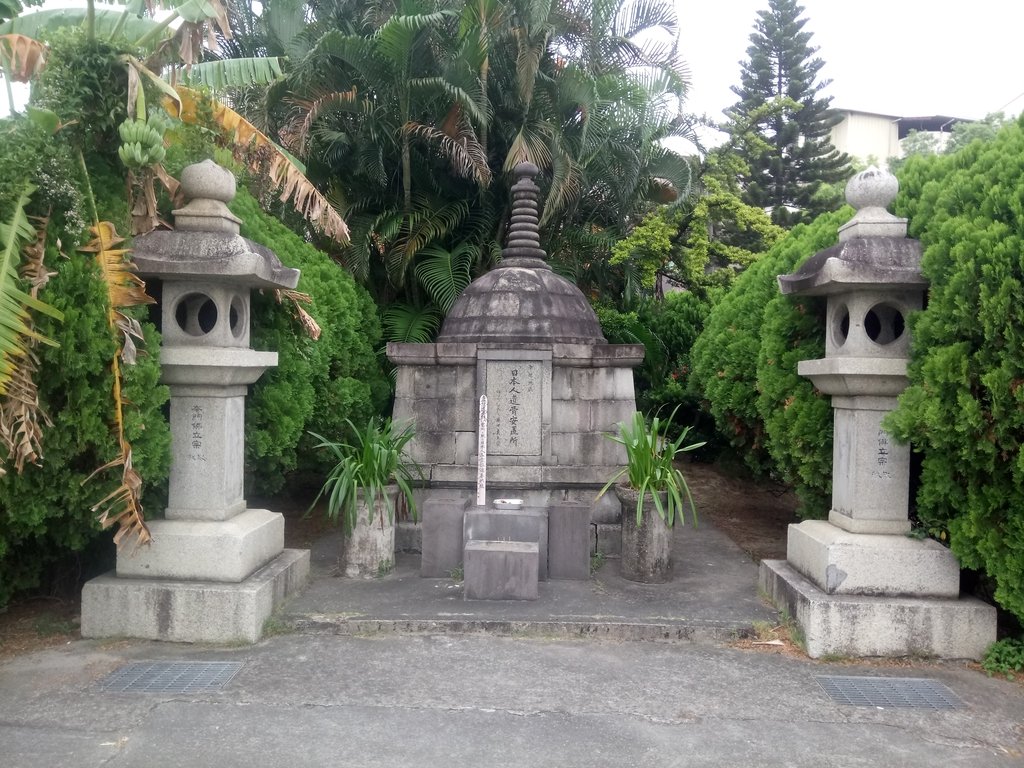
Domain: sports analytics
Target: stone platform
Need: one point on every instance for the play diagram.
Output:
(192, 611)
(859, 625)
(712, 597)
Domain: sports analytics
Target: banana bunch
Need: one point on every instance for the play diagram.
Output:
(141, 144)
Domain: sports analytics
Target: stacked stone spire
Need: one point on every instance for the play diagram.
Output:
(522, 245)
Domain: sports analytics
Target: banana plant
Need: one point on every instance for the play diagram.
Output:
(123, 505)
(20, 433)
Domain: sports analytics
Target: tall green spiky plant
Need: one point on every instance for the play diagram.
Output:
(651, 457)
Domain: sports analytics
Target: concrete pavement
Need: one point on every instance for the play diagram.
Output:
(401, 672)
(450, 700)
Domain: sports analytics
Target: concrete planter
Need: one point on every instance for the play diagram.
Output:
(647, 547)
(369, 550)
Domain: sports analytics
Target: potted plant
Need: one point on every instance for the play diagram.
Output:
(653, 497)
(362, 488)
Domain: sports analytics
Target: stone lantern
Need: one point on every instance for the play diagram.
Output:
(857, 584)
(214, 569)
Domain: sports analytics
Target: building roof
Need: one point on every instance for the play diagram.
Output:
(906, 124)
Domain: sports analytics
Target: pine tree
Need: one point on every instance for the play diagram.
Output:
(781, 124)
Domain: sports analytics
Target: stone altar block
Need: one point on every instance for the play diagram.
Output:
(528, 524)
(442, 535)
(501, 570)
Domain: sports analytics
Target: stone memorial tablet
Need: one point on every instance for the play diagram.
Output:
(514, 395)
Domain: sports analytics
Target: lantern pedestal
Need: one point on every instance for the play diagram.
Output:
(870, 625)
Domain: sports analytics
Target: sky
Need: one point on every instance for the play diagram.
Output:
(898, 57)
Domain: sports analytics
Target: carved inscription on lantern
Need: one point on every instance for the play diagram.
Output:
(881, 469)
(514, 407)
(196, 432)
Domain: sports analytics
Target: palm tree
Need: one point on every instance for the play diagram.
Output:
(408, 115)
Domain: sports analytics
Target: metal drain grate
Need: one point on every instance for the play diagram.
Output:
(171, 677)
(914, 692)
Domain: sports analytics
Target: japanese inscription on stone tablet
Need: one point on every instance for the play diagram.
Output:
(514, 408)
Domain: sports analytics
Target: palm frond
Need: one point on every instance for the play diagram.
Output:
(471, 102)
(20, 415)
(462, 150)
(312, 109)
(233, 73)
(429, 222)
(644, 15)
(396, 38)
(283, 172)
(408, 324)
(530, 145)
(566, 184)
(673, 175)
(39, 25)
(445, 274)
(16, 331)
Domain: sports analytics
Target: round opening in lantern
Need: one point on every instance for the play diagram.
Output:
(840, 325)
(196, 314)
(236, 318)
(884, 324)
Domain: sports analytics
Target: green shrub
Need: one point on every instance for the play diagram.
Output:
(797, 418)
(45, 511)
(744, 366)
(678, 320)
(723, 360)
(964, 408)
(317, 385)
(627, 328)
(1005, 657)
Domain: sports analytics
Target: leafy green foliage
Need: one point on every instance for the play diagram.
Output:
(222, 73)
(627, 328)
(9, 9)
(722, 236)
(649, 245)
(45, 511)
(444, 274)
(787, 146)
(963, 408)
(1005, 657)
(724, 357)
(797, 418)
(317, 385)
(744, 366)
(408, 324)
(29, 153)
(86, 84)
(651, 456)
(364, 468)
(677, 320)
(414, 119)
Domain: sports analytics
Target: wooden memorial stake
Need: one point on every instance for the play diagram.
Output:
(481, 455)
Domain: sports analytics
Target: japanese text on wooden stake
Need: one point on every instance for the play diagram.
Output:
(481, 455)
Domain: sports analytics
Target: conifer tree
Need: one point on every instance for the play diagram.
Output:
(781, 123)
